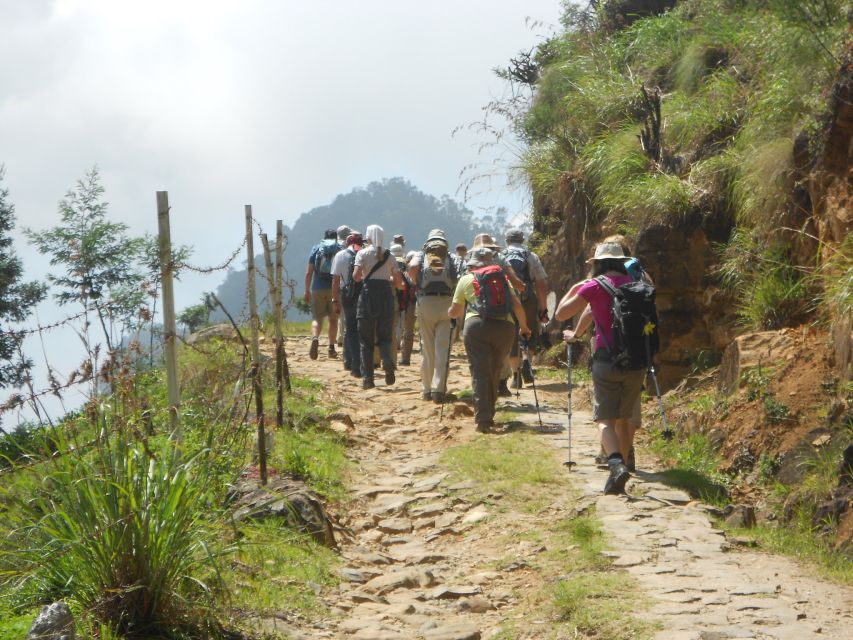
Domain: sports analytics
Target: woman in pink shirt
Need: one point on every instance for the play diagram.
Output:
(615, 391)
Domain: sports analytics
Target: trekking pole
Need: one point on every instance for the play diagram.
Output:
(525, 344)
(569, 462)
(667, 433)
(447, 366)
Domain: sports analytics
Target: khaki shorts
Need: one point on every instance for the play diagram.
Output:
(321, 304)
(616, 393)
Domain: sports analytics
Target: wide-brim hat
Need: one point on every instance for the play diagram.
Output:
(484, 241)
(436, 234)
(480, 257)
(608, 251)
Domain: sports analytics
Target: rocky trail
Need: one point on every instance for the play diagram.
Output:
(428, 558)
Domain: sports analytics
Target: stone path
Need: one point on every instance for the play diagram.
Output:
(415, 566)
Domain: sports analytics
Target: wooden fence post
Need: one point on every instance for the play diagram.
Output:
(275, 297)
(256, 351)
(169, 324)
(280, 353)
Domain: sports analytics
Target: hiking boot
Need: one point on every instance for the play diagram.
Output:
(315, 347)
(484, 427)
(426, 395)
(367, 384)
(404, 363)
(632, 462)
(355, 373)
(440, 397)
(516, 381)
(619, 475)
(503, 390)
(332, 352)
(527, 372)
(389, 377)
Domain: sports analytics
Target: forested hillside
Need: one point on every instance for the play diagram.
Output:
(394, 204)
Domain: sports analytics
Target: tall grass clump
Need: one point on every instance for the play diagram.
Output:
(125, 532)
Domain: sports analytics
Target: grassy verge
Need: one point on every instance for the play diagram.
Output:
(576, 593)
(693, 466)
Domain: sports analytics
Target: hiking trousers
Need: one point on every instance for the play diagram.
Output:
(375, 325)
(352, 347)
(488, 343)
(408, 333)
(435, 340)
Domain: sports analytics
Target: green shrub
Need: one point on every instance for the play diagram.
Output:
(124, 532)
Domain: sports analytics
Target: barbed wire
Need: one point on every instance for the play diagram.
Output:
(219, 267)
(21, 333)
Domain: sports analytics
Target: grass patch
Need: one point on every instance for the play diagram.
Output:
(693, 466)
(517, 464)
(316, 456)
(15, 624)
(275, 569)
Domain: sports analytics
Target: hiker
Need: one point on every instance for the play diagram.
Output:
(345, 297)
(404, 324)
(378, 271)
(434, 275)
(489, 328)
(615, 389)
(399, 239)
(318, 291)
(343, 232)
(459, 257)
(635, 269)
(528, 267)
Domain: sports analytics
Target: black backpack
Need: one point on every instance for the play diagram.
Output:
(517, 259)
(491, 291)
(635, 324)
(351, 290)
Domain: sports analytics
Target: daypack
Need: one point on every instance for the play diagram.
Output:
(351, 289)
(491, 292)
(635, 324)
(324, 255)
(438, 272)
(634, 268)
(406, 295)
(517, 259)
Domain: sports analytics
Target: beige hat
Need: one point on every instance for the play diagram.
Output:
(607, 251)
(480, 257)
(436, 234)
(484, 241)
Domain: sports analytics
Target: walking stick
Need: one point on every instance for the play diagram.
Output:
(526, 346)
(569, 462)
(447, 366)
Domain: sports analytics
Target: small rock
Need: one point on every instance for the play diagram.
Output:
(388, 582)
(453, 592)
(477, 604)
(740, 516)
(54, 622)
(395, 525)
(474, 516)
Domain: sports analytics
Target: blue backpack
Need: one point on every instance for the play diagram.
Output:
(324, 255)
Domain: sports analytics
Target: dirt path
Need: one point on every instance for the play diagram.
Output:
(421, 562)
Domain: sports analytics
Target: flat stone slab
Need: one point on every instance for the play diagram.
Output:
(388, 582)
(454, 591)
(395, 525)
(474, 516)
(430, 483)
(452, 631)
(387, 504)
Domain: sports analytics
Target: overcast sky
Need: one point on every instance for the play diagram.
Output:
(279, 104)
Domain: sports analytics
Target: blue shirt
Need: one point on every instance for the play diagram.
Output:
(319, 281)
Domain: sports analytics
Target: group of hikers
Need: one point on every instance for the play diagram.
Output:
(495, 299)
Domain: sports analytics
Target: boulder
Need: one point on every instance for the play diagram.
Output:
(751, 350)
(286, 499)
(222, 331)
(54, 622)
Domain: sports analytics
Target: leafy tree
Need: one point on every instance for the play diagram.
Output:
(17, 298)
(100, 261)
(194, 317)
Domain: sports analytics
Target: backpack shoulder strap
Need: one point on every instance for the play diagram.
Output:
(607, 286)
(378, 264)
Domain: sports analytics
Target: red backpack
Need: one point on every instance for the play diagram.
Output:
(491, 292)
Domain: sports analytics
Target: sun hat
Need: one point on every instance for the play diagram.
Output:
(410, 255)
(399, 239)
(514, 235)
(396, 250)
(484, 241)
(343, 232)
(461, 246)
(436, 234)
(480, 257)
(608, 251)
